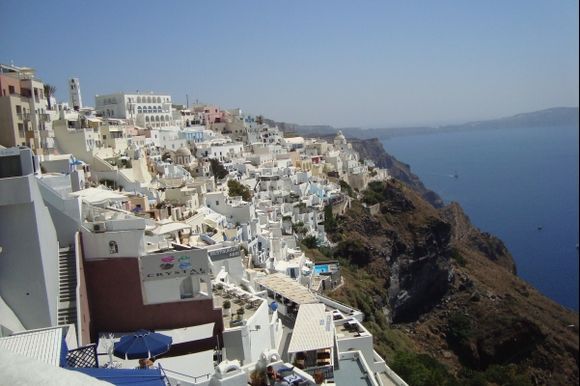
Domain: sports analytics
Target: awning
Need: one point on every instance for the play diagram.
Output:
(287, 288)
(313, 330)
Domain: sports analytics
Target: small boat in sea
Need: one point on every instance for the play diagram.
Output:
(540, 227)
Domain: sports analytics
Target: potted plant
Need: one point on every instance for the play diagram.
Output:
(227, 307)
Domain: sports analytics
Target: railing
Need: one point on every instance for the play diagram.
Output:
(85, 356)
(327, 371)
(168, 373)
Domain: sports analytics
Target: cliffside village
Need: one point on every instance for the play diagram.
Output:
(140, 216)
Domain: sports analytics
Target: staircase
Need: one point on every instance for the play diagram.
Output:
(67, 308)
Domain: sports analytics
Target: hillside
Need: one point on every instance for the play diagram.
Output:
(442, 298)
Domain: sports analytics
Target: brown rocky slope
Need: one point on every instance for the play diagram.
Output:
(429, 282)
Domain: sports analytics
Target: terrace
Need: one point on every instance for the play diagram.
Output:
(242, 305)
(351, 329)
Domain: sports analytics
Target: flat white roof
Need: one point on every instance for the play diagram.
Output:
(288, 288)
(314, 329)
(185, 367)
(294, 140)
(170, 227)
(43, 344)
(98, 196)
(189, 334)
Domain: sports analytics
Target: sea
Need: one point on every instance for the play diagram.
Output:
(519, 184)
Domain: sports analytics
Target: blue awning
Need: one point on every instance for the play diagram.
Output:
(141, 377)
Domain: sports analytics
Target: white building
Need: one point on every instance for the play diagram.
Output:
(29, 250)
(146, 110)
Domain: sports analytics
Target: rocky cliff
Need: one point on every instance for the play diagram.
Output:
(430, 282)
(373, 149)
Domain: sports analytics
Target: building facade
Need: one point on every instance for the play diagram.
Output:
(146, 110)
(23, 109)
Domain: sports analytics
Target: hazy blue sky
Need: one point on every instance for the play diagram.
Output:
(355, 63)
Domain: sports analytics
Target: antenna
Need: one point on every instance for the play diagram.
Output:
(187, 101)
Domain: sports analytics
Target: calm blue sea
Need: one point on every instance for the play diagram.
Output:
(510, 183)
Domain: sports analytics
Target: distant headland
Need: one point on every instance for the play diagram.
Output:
(553, 117)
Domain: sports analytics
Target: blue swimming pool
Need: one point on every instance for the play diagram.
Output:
(321, 268)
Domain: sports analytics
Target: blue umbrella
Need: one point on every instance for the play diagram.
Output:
(142, 344)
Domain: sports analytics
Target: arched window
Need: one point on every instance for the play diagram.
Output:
(158, 99)
(113, 247)
(149, 109)
(138, 99)
(157, 118)
(139, 110)
(162, 118)
(146, 118)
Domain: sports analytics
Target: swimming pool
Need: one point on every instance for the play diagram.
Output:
(321, 268)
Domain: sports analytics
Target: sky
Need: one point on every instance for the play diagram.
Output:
(347, 64)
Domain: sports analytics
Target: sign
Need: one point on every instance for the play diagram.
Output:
(173, 264)
(224, 253)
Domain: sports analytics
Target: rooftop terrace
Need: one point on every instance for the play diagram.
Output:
(239, 300)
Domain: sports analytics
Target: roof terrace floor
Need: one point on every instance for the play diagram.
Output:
(351, 372)
(238, 300)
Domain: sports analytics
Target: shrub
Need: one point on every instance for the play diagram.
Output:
(344, 186)
(458, 257)
(421, 370)
(310, 242)
(217, 169)
(459, 328)
(227, 305)
(330, 223)
(236, 188)
(299, 228)
(353, 251)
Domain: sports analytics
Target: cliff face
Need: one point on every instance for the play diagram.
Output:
(449, 289)
(373, 149)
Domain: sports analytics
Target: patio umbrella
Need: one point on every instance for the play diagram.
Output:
(142, 344)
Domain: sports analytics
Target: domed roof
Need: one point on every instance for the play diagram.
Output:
(183, 151)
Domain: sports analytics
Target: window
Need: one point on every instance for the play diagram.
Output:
(186, 288)
(113, 247)
(11, 90)
(217, 203)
